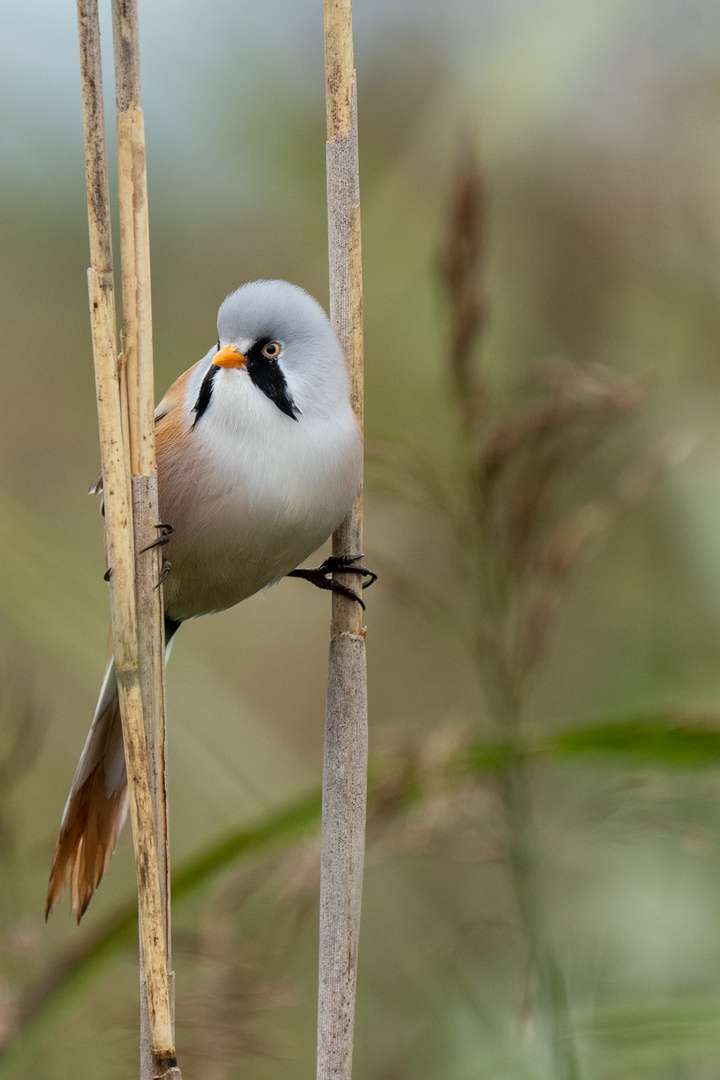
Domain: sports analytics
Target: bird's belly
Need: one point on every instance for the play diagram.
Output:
(235, 532)
(231, 563)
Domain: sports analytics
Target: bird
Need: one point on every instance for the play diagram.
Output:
(259, 459)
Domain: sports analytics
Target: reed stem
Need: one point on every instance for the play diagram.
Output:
(345, 756)
(125, 399)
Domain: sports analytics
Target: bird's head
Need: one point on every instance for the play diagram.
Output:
(274, 334)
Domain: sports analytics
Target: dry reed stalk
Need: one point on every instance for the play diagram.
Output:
(345, 755)
(138, 360)
(124, 445)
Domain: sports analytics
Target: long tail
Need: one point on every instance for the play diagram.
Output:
(97, 804)
(96, 807)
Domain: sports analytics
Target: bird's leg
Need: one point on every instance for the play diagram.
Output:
(321, 576)
(163, 538)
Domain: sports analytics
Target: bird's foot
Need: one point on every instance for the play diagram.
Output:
(163, 538)
(321, 576)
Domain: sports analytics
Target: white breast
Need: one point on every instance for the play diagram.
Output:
(251, 493)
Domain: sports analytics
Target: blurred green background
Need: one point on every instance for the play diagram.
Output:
(597, 124)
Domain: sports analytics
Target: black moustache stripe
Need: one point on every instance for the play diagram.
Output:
(267, 376)
(203, 398)
(265, 373)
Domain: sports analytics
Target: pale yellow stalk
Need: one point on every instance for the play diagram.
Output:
(125, 400)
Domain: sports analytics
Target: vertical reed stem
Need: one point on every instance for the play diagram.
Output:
(138, 356)
(124, 400)
(345, 761)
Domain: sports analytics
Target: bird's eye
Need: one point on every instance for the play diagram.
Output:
(271, 350)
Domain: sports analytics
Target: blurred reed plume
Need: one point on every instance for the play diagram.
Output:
(462, 265)
(519, 532)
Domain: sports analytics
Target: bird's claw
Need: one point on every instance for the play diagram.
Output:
(321, 576)
(349, 564)
(166, 568)
(163, 538)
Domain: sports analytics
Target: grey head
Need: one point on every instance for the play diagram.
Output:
(287, 339)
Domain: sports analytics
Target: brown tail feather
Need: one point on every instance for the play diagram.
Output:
(93, 817)
(83, 851)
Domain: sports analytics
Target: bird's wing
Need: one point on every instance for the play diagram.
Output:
(174, 397)
(171, 401)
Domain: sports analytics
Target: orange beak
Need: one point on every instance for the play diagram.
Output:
(229, 357)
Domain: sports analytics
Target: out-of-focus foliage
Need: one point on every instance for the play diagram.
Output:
(543, 643)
